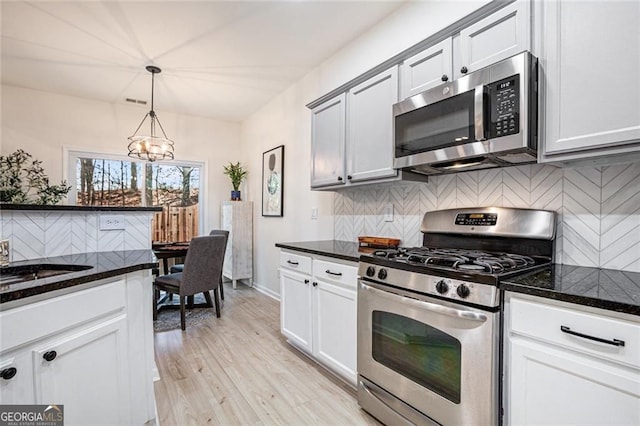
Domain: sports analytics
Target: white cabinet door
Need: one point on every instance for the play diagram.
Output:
(591, 63)
(370, 127)
(335, 328)
(427, 69)
(497, 37)
(87, 373)
(295, 308)
(19, 388)
(328, 143)
(552, 386)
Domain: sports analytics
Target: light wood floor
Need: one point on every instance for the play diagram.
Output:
(238, 369)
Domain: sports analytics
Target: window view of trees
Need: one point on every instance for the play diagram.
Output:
(101, 182)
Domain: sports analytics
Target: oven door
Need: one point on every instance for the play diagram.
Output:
(439, 358)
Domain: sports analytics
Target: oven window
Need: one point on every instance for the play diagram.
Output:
(419, 352)
(446, 123)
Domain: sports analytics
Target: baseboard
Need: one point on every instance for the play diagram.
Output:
(266, 291)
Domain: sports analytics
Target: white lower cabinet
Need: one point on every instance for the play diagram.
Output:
(318, 310)
(554, 377)
(89, 350)
(86, 373)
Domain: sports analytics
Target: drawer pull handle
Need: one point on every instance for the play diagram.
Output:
(291, 262)
(8, 373)
(50, 356)
(614, 342)
(330, 272)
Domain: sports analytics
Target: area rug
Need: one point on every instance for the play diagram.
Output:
(169, 319)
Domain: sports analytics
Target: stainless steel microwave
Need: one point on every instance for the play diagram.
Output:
(487, 118)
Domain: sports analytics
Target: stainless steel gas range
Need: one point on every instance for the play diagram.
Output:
(429, 317)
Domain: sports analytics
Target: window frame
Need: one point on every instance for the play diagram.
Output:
(71, 156)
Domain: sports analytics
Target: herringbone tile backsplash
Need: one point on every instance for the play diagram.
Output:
(598, 207)
(37, 234)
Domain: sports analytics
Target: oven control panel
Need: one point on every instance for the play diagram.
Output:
(449, 288)
(477, 219)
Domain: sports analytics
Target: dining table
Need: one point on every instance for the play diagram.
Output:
(169, 250)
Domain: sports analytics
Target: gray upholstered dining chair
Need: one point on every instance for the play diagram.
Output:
(180, 267)
(202, 272)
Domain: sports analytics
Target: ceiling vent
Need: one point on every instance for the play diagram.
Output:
(136, 101)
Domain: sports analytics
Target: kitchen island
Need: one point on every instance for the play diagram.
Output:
(75, 312)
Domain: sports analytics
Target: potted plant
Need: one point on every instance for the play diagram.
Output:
(236, 173)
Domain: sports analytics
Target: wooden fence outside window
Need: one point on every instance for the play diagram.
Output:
(175, 224)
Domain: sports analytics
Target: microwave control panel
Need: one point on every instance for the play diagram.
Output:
(504, 107)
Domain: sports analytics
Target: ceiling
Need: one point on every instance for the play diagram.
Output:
(221, 60)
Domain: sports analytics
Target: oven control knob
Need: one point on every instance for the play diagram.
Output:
(382, 274)
(442, 287)
(463, 291)
(371, 271)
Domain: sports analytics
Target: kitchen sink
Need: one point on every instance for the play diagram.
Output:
(22, 273)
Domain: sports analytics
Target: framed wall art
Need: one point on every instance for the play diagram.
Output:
(272, 181)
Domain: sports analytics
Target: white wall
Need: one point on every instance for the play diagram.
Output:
(286, 121)
(43, 123)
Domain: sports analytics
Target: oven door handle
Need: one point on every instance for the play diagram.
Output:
(428, 306)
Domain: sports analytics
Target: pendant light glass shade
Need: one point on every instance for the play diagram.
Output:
(152, 146)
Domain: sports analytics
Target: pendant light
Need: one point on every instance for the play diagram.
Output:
(151, 147)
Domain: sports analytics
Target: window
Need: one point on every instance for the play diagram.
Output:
(102, 180)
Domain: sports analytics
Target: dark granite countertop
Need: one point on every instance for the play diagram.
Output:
(103, 265)
(600, 288)
(6, 206)
(345, 250)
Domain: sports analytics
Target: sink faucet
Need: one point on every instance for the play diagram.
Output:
(4, 252)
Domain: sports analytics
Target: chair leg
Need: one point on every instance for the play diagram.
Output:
(207, 297)
(217, 302)
(183, 322)
(221, 290)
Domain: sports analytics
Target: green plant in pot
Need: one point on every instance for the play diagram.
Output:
(236, 173)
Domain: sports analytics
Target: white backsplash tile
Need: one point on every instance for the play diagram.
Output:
(28, 236)
(36, 234)
(598, 207)
(57, 233)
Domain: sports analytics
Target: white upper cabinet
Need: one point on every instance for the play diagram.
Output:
(370, 127)
(497, 37)
(591, 65)
(327, 143)
(427, 69)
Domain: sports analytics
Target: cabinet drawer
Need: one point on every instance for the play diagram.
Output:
(295, 262)
(42, 319)
(544, 322)
(336, 272)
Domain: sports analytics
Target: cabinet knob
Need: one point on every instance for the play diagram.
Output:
(315, 284)
(50, 355)
(349, 177)
(8, 373)
(444, 77)
(340, 178)
(464, 70)
(306, 281)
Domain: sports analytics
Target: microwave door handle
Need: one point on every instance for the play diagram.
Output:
(478, 119)
(427, 306)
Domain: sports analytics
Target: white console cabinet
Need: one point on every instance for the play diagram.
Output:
(237, 218)
(90, 350)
